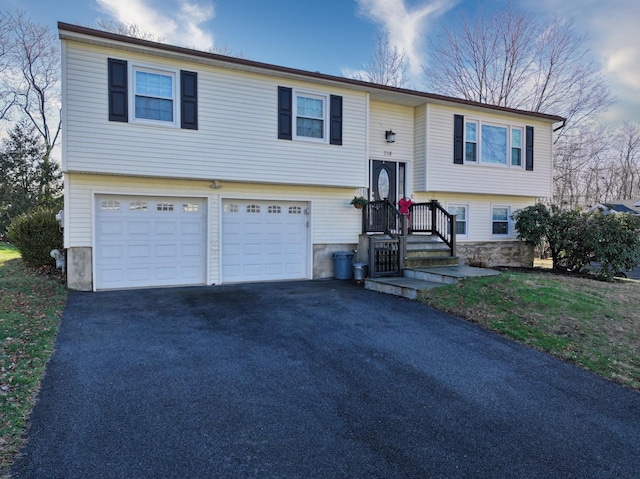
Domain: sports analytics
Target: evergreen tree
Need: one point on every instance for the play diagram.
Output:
(28, 177)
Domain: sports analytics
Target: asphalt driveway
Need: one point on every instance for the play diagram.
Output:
(312, 380)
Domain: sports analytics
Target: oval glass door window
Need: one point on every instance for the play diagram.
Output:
(383, 183)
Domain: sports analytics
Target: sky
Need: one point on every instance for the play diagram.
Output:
(337, 36)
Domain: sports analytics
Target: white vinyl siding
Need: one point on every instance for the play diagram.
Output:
(420, 135)
(400, 119)
(445, 176)
(479, 212)
(236, 138)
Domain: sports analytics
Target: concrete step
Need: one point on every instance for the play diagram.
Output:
(424, 279)
(428, 252)
(404, 287)
(448, 275)
(435, 261)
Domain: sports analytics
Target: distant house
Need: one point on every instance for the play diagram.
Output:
(183, 167)
(619, 206)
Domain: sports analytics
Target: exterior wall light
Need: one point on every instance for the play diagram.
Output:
(390, 136)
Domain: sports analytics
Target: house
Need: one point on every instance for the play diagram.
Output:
(183, 167)
(631, 207)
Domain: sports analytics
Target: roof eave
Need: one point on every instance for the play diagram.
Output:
(404, 96)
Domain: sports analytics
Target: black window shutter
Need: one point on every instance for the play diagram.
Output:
(529, 146)
(335, 125)
(458, 139)
(285, 113)
(189, 100)
(118, 109)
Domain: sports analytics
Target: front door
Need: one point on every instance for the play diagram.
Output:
(384, 180)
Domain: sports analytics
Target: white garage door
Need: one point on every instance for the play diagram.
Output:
(264, 240)
(149, 241)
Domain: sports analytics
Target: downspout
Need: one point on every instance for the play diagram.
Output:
(564, 123)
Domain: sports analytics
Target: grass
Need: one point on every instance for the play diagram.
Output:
(587, 322)
(30, 309)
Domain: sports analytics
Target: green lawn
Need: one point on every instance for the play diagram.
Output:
(30, 309)
(583, 321)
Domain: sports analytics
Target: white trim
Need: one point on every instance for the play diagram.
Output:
(63, 110)
(174, 73)
(466, 207)
(509, 234)
(496, 123)
(308, 213)
(325, 113)
(95, 193)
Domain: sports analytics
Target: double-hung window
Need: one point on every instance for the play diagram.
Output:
(154, 96)
(471, 141)
(310, 116)
(500, 220)
(516, 146)
(461, 212)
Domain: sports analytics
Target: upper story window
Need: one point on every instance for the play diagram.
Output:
(516, 146)
(494, 144)
(490, 143)
(310, 116)
(154, 97)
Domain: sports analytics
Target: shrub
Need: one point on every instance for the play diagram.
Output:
(538, 225)
(35, 233)
(617, 245)
(578, 239)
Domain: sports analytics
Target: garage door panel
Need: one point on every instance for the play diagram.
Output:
(262, 240)
(138, 227)
(110, 227)
(145, 241)
(139, 274)
(190, 228)
(164, 227)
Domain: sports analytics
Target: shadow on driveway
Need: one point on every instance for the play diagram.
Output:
(316, 379)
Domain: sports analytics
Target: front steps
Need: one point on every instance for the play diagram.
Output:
(424, 251)
(423, 279)
(428, 264)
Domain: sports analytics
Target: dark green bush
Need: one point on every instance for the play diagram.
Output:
(576, 240)
(35, 233)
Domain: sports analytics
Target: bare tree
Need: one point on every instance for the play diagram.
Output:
(627, 163)
(7, 98)
(581, 166)
(136, 31)
(32, 78)
(387, 65)
(514, 60)
(128, 29)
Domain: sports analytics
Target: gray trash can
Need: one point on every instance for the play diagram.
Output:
(342, 267)
(359, 271)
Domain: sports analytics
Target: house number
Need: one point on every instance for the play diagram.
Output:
(387, 153)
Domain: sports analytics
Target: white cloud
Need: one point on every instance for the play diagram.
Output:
(406, 27)
(183, 27)
(612, 32)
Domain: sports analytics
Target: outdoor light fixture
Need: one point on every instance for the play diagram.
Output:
(390, 136)
(215, 184)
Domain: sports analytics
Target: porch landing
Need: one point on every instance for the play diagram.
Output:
(422, 279)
